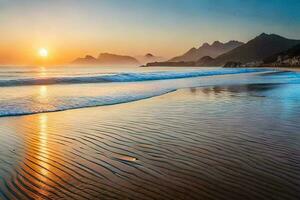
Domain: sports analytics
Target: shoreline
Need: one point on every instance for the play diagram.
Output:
(259, 67)
(150, 97)
(206, 81)
(153, 148)
(295, 69)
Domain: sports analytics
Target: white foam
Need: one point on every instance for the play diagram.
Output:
(104, 94)
(122, 77)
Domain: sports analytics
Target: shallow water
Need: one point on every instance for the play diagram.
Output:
(222, 137)
(29, 91)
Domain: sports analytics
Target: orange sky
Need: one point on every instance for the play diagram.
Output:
(74, 28)
(64, 47)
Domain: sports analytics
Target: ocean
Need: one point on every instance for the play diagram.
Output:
(27, 90)
(149, 133)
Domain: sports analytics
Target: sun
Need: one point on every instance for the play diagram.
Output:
(43, 52)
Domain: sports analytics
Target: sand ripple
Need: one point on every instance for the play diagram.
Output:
(178, 146)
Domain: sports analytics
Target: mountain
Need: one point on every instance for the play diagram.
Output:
(200, 62)
(256, 49)
(149, 58)
(107, 59)
(86, 60)
(288, 54)
(205, 59)
(215, 49)
(288, 58)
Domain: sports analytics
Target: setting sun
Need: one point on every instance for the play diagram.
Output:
(150, 99)
(43, 52)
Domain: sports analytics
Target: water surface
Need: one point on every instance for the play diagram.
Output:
(233, 136)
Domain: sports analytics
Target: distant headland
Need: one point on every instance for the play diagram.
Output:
(106, 59)
(263, 50)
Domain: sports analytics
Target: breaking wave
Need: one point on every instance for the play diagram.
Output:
(25, 103)
(122, 77)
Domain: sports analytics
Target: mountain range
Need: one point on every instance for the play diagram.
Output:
(215, 49)
(264, 46)
(106, 59)
(257, 49)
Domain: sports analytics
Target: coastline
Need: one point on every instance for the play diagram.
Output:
(170, 155)
(258, 67)
(296, 69)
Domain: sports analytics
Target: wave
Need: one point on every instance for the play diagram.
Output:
(123, 77)
(27, 106)
(29, 103)
(206, 146)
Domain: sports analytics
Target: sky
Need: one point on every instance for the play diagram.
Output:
(73, 28)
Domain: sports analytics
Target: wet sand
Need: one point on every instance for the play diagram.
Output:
(233, 142)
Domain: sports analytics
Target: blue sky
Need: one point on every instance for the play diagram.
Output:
(163, 27)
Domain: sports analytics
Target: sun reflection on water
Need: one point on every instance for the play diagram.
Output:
(43, 91)
(42, 96)
(42, 72)
(43, 154)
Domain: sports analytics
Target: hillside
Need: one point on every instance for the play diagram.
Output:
(106, 59)
(215, 49)
(257, 49)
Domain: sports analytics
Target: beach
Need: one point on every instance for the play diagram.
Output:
(235, 140)
(149, 100)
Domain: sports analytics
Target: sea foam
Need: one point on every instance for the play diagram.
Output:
(65, 96)
(122, 77)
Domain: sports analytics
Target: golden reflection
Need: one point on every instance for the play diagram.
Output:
(37, 156)
(42, 96)
(43, 92)
(42, 72)
(43, 153)
(43, 146)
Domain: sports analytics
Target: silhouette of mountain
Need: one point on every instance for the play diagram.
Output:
(255, 50)
(86, 60)
(202, 61)
(107, 59)
(149, 58)
(288, 54)
(149, 55)
(215, 49)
